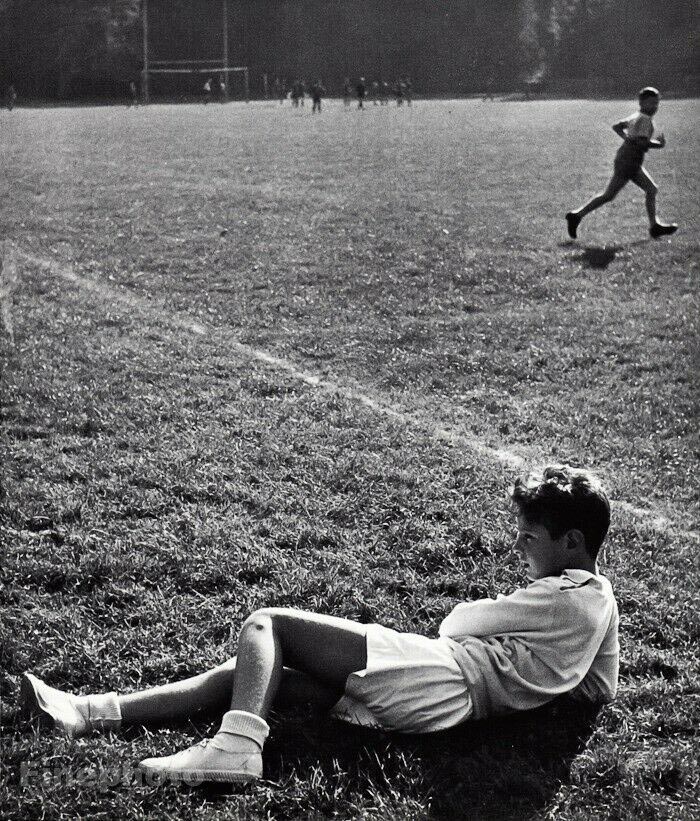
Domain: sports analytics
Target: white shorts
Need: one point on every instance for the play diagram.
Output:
(411, 684)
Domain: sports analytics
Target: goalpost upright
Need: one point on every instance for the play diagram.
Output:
(214, 65)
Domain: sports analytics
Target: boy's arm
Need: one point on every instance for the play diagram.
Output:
(620, 129)
(529, 609)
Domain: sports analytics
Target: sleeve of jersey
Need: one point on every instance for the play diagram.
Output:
(529, 610)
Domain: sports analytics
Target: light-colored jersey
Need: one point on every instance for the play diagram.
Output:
(639, 125)
(558, 635)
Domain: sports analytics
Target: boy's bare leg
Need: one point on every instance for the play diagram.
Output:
(645, 182)
(573, 218)
(210, 693)
(616, 184)
(325, 648)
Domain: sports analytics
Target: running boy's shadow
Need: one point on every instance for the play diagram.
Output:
(599, 256)
(505, 768)
(595, 256)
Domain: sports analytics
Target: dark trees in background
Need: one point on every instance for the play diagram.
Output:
(68, 49)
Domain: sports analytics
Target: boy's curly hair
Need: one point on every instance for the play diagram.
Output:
(563, 498)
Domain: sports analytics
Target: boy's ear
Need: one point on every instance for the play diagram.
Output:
(575, 539)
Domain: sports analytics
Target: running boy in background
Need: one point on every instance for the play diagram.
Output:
(555, 636)
(636, 132)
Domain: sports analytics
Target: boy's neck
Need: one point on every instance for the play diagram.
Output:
(589, 565)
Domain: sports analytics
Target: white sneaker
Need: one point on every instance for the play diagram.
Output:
(224, 758)
(53, 707)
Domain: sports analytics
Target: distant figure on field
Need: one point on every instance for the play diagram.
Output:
(398, 90)
(10, 97)
(636, 133)
(384, 93)
(555, 636)
(347, 91)
(222, 89)
(317, 92)
(133, 94)
(375, 92)
(207, 91)
(408, 88)
(361, 90)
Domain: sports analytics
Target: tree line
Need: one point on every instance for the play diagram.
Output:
(68, 49)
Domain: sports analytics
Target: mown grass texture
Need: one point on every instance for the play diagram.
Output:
(160, 484)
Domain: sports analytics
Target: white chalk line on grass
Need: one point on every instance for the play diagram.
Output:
(503, 456)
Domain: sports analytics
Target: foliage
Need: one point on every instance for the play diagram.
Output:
(74, 48)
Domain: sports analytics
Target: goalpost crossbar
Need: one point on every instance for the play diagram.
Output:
(213, 65)
(212, 70)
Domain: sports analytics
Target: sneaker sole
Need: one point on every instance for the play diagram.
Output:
(200, 776)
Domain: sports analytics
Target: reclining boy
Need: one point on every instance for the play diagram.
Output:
(556, 635)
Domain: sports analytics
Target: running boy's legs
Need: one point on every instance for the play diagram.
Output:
(616, 184)
(645, 182)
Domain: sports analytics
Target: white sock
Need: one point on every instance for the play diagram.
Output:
(101, 711)
(241, 731)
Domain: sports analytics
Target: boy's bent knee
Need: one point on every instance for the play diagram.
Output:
(264, 617)
(257, 621)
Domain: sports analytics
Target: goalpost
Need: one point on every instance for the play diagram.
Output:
(211, 66)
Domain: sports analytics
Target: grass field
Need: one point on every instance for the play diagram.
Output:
(255, 357)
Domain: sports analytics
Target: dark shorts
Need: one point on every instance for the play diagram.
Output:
(628, 161)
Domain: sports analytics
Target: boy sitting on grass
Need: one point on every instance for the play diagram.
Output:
(557, 635)
(636, 133)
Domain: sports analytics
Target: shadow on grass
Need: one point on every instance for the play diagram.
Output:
(503, 768)
(595, 256)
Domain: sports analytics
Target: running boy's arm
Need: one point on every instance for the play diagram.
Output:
(620, 129)
(658, 143)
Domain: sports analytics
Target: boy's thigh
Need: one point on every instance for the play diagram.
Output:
(618, 181)
(643, 179)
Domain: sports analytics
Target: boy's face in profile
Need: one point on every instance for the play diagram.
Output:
(649, 105)
(541, 554)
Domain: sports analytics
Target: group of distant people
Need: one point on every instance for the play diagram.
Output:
(378, 91)
(214, 90)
